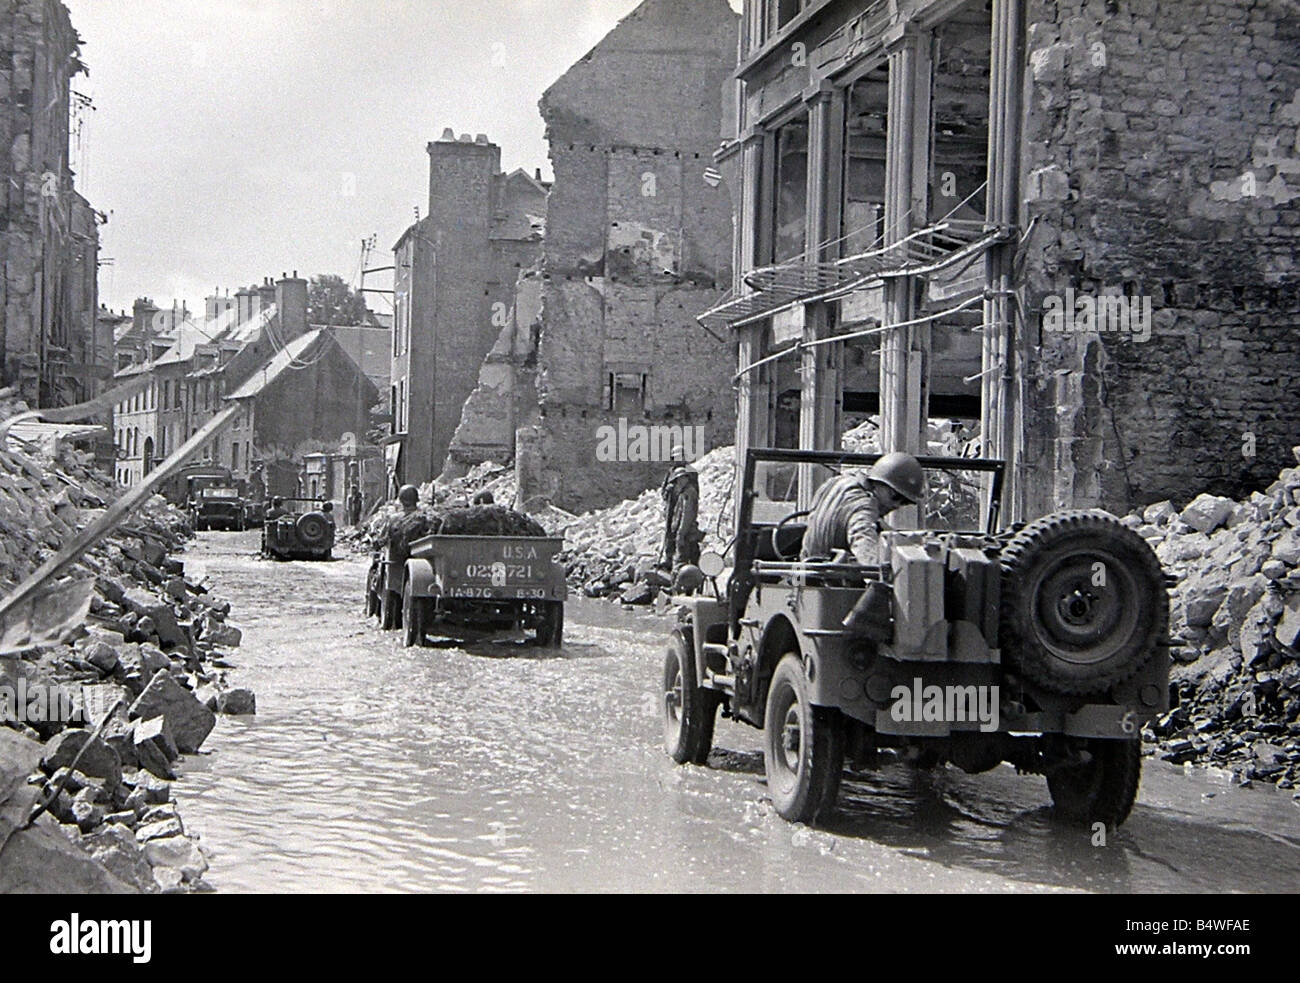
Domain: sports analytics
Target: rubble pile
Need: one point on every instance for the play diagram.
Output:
(609, 550)
(1236, 613)
(153, 651)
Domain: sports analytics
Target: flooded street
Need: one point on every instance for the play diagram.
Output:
(373, 767)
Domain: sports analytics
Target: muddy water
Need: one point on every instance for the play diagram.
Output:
(371, 767)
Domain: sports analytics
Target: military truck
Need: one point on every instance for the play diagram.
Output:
(468, 585)
(1044, 645)
(218, 506)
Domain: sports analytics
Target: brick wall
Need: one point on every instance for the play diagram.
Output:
(1162, 160)
(637, 243)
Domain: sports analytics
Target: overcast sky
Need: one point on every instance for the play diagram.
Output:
(237, 139)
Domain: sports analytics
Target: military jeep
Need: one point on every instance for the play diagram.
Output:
(1044, 645)
(303, 532)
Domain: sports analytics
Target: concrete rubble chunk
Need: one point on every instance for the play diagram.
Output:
(115, 847)
(189, 720)
(146, 605)
(178, 853)
(164, 827)
(237, 702)
(99, 761)
(1206, 512)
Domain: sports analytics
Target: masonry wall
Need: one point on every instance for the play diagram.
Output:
(457, 269)
(1162, 160)
(638, 242)
(318, 404)
(48, 234)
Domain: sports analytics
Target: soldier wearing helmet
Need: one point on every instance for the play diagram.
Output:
(681, 494)
(847, 509)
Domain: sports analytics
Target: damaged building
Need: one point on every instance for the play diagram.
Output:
(1070, 222)
(454, 287)
(49, 234)
(638, 242)
(300, 388)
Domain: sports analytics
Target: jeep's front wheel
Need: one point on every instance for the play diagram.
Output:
(1103, 789)
(803, 746)
(689, 709)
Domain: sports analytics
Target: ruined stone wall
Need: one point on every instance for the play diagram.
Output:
(1162, 161)
(48, 239)
(638, 242)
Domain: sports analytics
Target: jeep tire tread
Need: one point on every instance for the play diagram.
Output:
(689, 710)
(803, 746)
(1084, 603)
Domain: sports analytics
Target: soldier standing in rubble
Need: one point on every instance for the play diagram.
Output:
(354, 506)
(681, 495)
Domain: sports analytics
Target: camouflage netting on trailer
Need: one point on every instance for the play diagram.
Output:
(399, 530)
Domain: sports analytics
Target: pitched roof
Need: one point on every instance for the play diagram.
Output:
(289, 358)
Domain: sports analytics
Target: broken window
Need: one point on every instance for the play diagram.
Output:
(865, 120)
(790, 185)
(625, 392)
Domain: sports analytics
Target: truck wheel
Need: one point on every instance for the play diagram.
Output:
(1084, 603)
(689, 709)
(1103, 790)
(803, 746)
(550, 633)
(413, 620)
(390, 610)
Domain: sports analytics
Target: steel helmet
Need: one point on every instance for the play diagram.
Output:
(901, 472)
(409, 495)
(689, 579)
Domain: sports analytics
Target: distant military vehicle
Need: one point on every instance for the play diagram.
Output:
(303, 530)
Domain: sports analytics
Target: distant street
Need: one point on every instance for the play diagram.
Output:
(372, 767)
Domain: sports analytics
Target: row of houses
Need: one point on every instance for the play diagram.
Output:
(301, 387)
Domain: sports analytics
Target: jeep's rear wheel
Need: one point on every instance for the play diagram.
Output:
(1084, 604)
(1103, 789)
(689, 710)
(803, 746)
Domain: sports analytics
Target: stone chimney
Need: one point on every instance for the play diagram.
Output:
(266, 293)
(244, 304)
(291, 302)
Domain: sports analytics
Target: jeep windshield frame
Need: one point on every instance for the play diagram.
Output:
(837, 460)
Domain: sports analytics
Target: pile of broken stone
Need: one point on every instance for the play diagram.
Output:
(1236, 616)
(153, 646)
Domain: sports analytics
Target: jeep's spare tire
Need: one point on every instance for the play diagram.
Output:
(1084, 603)
(312, 528)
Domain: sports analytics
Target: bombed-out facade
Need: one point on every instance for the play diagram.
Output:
(1072, 222)
(638, 242)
